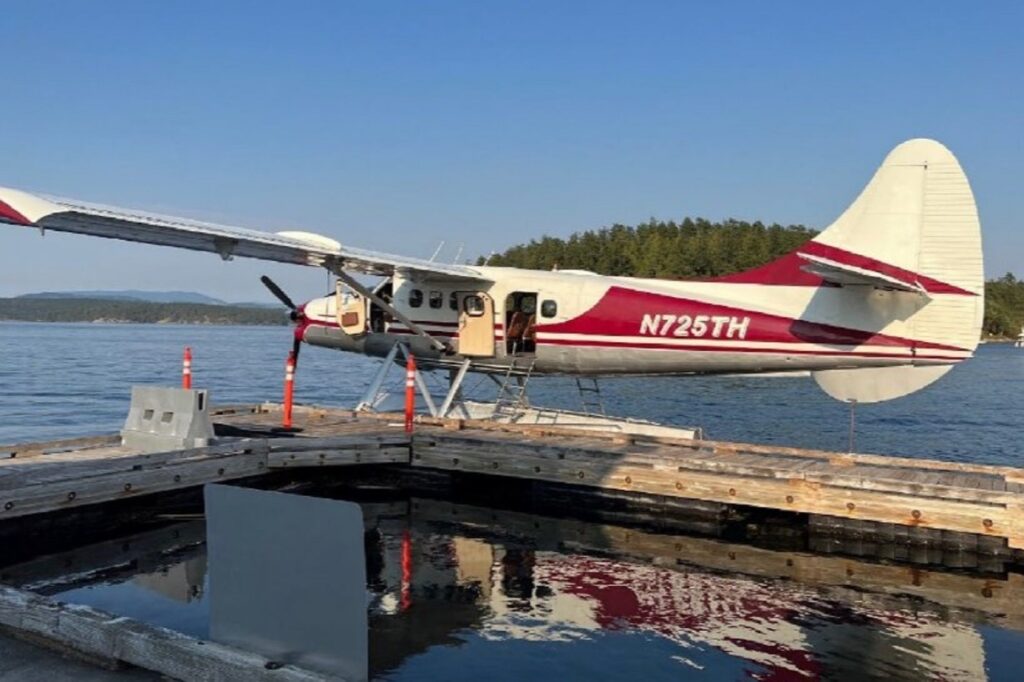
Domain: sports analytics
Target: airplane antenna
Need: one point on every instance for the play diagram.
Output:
(853, 423)
(490, 256)
(458, 254)
(437, 251)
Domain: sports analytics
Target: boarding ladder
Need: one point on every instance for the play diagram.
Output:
(590, 396)
(512, 400)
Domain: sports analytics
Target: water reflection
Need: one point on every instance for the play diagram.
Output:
(458, 591)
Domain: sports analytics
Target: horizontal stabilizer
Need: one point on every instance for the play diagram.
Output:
(875, 384)
(844, 274)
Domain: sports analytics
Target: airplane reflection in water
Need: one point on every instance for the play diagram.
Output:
(459, 591)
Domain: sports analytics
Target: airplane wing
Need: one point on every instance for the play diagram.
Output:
(301, 248)
(844, 273)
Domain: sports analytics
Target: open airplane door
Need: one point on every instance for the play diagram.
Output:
(476, 325)
(351, 310)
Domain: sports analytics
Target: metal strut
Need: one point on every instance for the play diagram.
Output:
(590, 396)
(374, 395)
(454, 388)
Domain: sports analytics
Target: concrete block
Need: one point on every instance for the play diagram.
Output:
(161, 419)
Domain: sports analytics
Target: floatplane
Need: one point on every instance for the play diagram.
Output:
(880, 304)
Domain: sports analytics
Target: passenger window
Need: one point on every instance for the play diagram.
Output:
(474, 306)
(453, 301)
(415, 298)
(549, 308)
(436, 299)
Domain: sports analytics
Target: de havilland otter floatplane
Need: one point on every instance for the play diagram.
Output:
(878, 305)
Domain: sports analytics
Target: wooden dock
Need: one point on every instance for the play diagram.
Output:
(968, 510)
(911, 499)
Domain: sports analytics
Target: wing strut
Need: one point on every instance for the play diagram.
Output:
(363, 291)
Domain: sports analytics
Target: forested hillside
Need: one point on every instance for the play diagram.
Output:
(108, 310)
(691, 248)
(700, 248)
(1004, 306)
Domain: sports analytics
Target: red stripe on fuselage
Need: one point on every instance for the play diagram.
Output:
(620, 312)
(9, 214)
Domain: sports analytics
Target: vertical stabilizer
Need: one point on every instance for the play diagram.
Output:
(916, 227)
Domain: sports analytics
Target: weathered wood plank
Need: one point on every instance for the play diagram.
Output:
(116, 639)
(104, 463)
(792, 494)
(173, 475)
(348, 456)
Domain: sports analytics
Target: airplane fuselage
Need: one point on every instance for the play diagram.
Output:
(574, 322)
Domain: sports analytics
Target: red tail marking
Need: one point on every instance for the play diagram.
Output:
(786, 271)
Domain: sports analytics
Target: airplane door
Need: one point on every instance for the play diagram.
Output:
(351, 311)
(476, 325)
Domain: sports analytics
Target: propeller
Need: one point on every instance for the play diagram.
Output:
(278, 293)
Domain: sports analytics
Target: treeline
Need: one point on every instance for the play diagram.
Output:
(691, 248)
(143, 312)
(696, 248)
(1004, 306)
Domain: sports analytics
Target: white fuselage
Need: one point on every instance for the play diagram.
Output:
(583, 323)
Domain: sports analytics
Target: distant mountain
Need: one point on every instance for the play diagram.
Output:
(133, 295)
(82, 309)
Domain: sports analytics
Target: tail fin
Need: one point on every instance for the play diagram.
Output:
(913, 228)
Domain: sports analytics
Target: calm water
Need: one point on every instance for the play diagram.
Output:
(65, 380)
(457, 591)
(462, 592)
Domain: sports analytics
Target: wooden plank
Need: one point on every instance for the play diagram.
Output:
(795, 495)
(347, 457)
(900, 481)
(116, 639)
(173, 475)
(363, 440)
(102, 463)
(42, 448)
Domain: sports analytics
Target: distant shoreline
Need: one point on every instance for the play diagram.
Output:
(109, 311)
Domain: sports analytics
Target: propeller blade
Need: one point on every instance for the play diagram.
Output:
(278, 292)
(296, 345)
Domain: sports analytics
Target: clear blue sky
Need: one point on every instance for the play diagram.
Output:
(394, 125)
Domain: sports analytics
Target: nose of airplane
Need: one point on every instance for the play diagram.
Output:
(298, 316)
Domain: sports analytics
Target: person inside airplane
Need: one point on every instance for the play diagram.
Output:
(529, 308)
